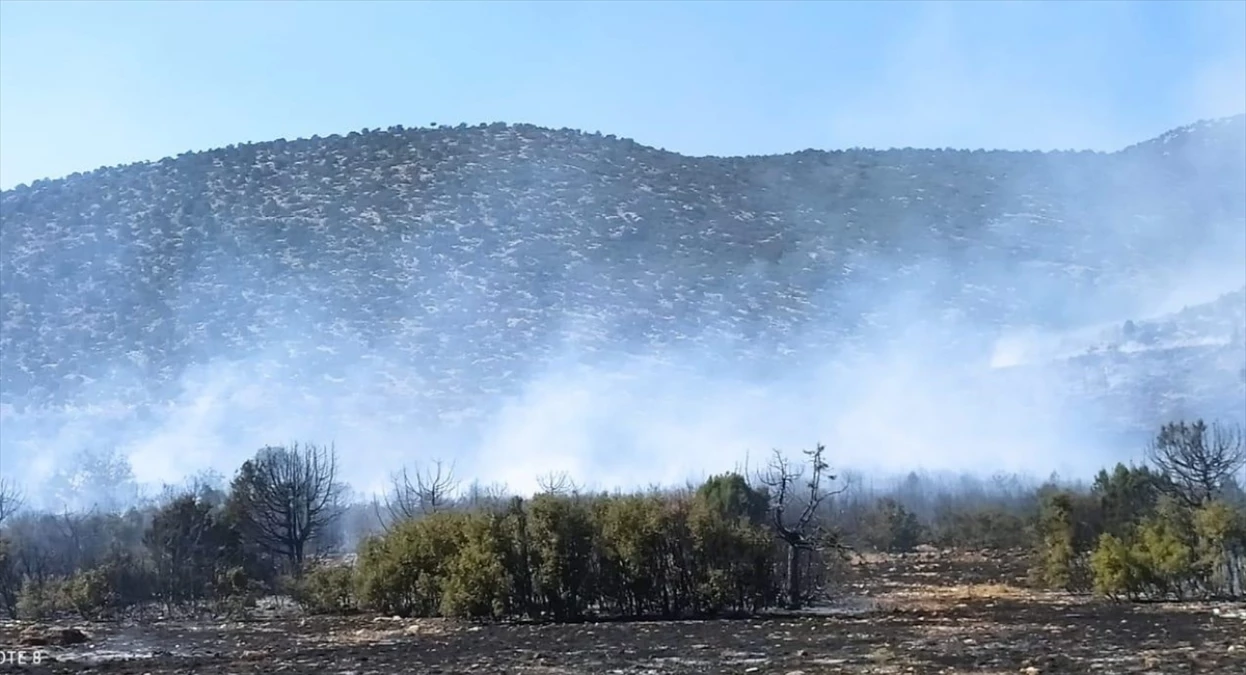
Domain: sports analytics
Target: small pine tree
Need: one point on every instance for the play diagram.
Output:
(1057, 554)
(1114, 568)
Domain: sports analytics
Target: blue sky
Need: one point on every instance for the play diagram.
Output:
(84, 85)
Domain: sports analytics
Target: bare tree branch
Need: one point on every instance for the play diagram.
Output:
(783, 479)
(557, 483)
(1197, 459)
(420, 492)
(477, 495)
(291, 496)
(11, 499)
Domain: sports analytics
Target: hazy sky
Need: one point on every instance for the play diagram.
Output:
(89, 84)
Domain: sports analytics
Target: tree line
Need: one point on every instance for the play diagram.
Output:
(737, 543)
(1173, 529)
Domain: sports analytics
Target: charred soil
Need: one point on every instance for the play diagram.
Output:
(924, 613)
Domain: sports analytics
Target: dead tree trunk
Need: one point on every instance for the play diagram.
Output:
(798, 536)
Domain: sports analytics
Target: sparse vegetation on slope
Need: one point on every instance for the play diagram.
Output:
(433, 269)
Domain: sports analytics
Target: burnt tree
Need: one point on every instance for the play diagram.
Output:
(418, 492)
(11, 500)
(1198, 460)
(800, 534)
(286, 497)
(557, 483)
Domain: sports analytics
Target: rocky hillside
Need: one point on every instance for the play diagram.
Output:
(1188, 363)
(441, 267)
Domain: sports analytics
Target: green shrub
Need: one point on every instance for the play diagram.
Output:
(1173, 553)
(1115, 568)
(563, 541)
(732, 497)
(893, 528)
(90, 593)
(325, 589)
(632, 537)
(735, 562)
(1220, 553)
(1165, 557)
(40, 600)
(10, 578)
(403, 571)
(477, 583)
(1057, 555)
(1068, 530)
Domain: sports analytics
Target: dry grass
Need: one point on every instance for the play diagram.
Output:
(936, 598)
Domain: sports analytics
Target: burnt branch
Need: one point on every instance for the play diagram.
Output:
(801, 535)
(415, 492)
(557, 483)
(783, 478)
(11, 499)
(1197, 459)
(290, 496)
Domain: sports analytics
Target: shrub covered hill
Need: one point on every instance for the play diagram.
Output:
(438, 269)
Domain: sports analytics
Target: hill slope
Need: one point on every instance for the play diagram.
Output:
(425, 276)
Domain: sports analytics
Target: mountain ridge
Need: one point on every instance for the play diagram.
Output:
(1171, 133)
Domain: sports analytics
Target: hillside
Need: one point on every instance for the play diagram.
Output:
(432, 273)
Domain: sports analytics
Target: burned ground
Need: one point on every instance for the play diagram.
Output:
(937, 613)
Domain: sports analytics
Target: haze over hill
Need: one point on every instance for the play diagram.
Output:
(524, 300)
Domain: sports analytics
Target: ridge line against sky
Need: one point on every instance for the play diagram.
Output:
(85, 85)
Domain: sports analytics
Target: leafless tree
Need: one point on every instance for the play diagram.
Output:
(11, 499)
(557, 483)
(289, 496)
(1198, 459)
(477, 495)
(800, 534)
(418, 492)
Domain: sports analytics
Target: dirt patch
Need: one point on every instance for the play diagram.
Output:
(36, 635)
(910, 621)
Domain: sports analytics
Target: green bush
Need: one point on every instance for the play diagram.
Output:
(562, 537)
(477, 583)
(632, 532)
(1220, 551)
(90, 593)
(1057, 553)
(891, 527)
(403, 571)
(10, 578)
(1176, 552)
(1165, 557)
(43, 599)
(735, 563)
(561, 556)
(732, 497)
(117, 583)
(1067, 533)
(1116, 570)
(326, 589)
